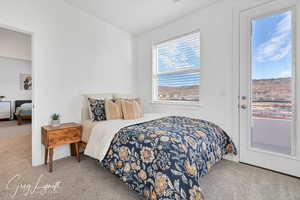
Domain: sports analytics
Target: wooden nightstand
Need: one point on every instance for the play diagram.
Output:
(53, 136)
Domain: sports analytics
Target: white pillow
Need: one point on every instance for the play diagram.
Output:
(26, 105)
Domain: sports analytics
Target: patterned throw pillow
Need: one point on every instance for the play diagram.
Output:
(97, 109)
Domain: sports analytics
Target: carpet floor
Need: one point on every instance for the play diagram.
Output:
(11, 129)
(88, 181)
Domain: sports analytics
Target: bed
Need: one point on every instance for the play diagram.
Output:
(23, 110)
(158, 156)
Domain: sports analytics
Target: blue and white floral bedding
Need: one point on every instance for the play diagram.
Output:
(165, 158)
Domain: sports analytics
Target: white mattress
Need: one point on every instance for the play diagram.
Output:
(103, 132)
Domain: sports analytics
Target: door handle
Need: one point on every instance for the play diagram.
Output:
(244, 106)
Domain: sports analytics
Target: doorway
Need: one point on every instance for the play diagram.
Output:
(269, 93)
(15, 97)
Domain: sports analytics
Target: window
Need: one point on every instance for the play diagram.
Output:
(176, 70)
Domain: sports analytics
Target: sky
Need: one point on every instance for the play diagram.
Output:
(271, 52)
(272, 46)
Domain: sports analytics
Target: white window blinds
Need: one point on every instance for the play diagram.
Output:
(177, 69)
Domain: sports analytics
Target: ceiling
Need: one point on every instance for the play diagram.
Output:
(139, 16)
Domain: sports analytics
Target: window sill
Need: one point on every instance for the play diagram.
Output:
(176, 103)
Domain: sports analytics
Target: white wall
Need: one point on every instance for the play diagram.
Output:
(215, 25)
(15, 45)
(10, 70)
(73, 53)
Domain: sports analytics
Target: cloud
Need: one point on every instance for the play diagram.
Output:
(171, 56)
(279, 45)
(179, 53)
(286, 74)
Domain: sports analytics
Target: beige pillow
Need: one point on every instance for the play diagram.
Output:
(113, 110)
(131, 109)
(139, 101)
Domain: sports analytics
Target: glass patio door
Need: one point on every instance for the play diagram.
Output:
(268, 92)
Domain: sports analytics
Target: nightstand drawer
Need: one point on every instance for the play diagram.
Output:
(4, 109)
(64, 136)
(4, 115)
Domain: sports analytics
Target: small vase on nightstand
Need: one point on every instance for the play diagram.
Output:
(55, 122)
(55, 119)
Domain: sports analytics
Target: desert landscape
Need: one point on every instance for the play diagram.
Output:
(272, 98)
(179, 93)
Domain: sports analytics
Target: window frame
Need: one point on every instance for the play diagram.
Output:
(155, 73)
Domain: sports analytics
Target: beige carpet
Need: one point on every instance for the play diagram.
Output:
(12, 129)
(88, 181)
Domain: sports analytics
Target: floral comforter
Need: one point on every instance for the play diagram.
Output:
(165, 158)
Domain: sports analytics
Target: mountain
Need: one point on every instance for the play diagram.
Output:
(279, 89)
(186, 93)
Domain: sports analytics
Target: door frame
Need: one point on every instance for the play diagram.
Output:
(33, 91)
(237, 9)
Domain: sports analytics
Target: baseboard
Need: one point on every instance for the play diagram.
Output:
(232, 158)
